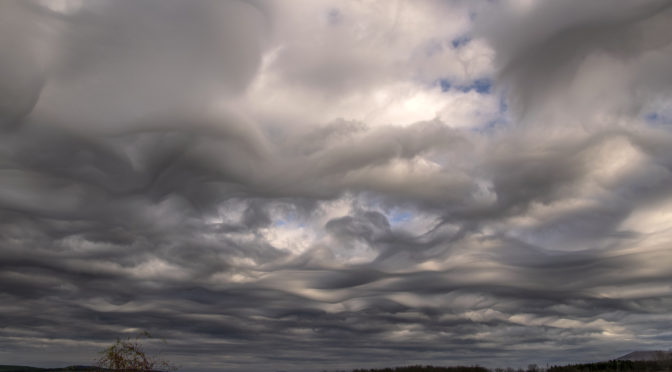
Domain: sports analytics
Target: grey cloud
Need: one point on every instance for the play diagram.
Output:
(121, 57)
(128, 202)
(21, 77)
(368, 226)
(540, 52)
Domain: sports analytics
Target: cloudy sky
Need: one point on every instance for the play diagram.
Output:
(310, 185)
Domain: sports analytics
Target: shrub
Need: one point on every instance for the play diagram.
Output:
(129, 355)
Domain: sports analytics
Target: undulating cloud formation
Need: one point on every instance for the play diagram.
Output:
(311, 185)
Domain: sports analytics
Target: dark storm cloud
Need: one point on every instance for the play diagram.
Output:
(541, 50)
(136, 194)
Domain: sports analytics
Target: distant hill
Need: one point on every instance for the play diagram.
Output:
(646, 356)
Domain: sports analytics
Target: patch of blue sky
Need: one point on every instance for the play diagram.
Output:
(481, 86)
(444, 84)
(280, 222)
(436, 46)
(652, 117)
(502, 119)
(288, 219)
(288, 223)
(396, 215)
(400, 217)
(460, 41)
(658, 118)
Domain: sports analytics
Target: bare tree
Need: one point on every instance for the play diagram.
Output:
(129, 355)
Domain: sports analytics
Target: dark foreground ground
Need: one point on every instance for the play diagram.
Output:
(4, 368)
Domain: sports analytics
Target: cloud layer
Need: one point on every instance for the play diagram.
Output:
(301, 185)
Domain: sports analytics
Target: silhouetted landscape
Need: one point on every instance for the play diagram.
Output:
(637, 361)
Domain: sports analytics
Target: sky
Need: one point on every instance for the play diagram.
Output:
(316, 184)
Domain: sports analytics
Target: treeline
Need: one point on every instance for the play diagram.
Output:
(618, 366)
(662, 365)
